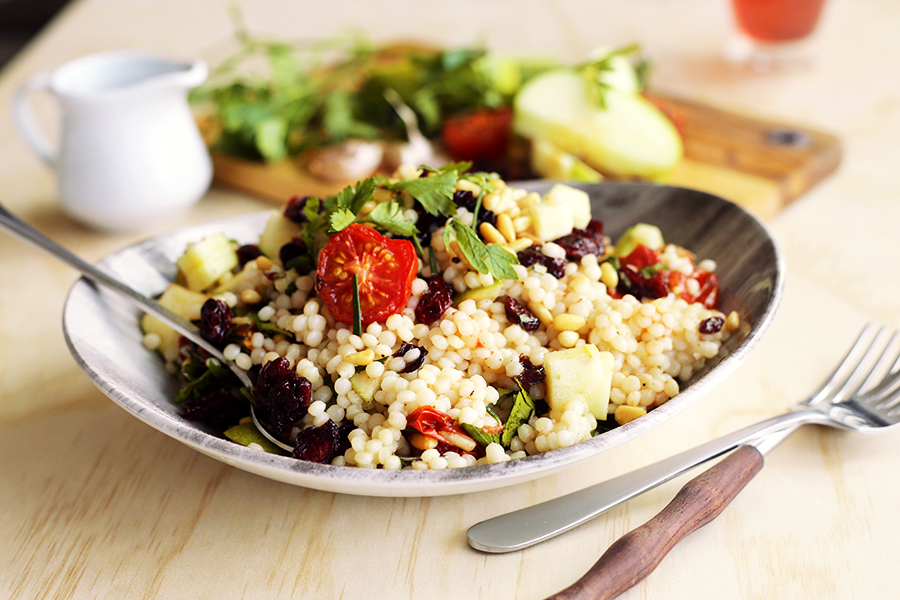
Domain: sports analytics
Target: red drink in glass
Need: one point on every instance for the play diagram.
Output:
(777, 20)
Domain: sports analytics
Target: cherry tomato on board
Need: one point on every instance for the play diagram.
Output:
(483, 134)
(385, 269)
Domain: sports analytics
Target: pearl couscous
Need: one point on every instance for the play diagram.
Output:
(449, 384)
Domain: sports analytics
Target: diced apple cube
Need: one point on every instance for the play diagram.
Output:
(581, 373)
(577, 200)
(205, 262)
(639, 233)
(551, 221)
(279, 231)
(181, 301)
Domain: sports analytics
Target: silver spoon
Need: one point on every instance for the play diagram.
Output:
(27, 233)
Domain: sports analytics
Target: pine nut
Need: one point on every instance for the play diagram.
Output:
(519, 244)
(468, 186)
(732, 321)
(264, 263)
(505, 227)
(541, 312)
(567, 322)
(250, 296)
(608, 276)
(491, 234)
(422, 442)
(627, 414)
(361, 358)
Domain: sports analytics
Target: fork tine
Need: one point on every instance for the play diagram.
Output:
(866, 372)
(845, 374)
(887, 392)
(887, 363)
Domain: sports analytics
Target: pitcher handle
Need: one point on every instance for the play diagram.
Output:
(26, 121)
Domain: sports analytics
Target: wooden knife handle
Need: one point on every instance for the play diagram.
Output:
(636, 554)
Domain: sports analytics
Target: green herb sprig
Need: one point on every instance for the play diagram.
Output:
(594, 70)
(521, 412)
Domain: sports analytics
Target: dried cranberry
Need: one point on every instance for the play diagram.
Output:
(317, 444)
(632, 281)
(248, 252)
(435, 301)
(215, 321)
(582, 242)
(294, 255)
(282, 396)
(427, 224)
(412, 365)
(290, 251)
(344, 437)
(519, 315)
(532, 256)
(469, 201)
(218, 408)
(596, 226)
(295, 209)
(465, 199)
(712, 325)
(530, 375)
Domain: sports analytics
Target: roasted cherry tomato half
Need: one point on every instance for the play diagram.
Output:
(483, 134)
(385, 269)
(708, 292)
(433, 423)
(641, 257)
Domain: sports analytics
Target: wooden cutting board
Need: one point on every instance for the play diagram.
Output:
(757, 163)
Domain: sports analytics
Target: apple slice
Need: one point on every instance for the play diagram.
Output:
(628, 138)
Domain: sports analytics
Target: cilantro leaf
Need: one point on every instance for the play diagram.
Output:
(390, 217)
(354, 197)
(493, 259)
(341, 218)
(461, 168)
(500, 262)
(434, 193)
(471, 245)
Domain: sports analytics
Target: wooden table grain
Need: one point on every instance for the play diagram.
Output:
(95, 504)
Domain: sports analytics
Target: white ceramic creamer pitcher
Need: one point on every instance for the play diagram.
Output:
(130, 154)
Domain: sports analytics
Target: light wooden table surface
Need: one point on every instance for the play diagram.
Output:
(95, 504)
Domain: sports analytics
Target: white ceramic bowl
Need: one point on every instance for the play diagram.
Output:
(103, 334)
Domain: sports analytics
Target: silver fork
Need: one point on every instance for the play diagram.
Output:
(862, 394)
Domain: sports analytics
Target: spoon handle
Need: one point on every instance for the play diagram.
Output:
(636, 554)
(27, 233)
